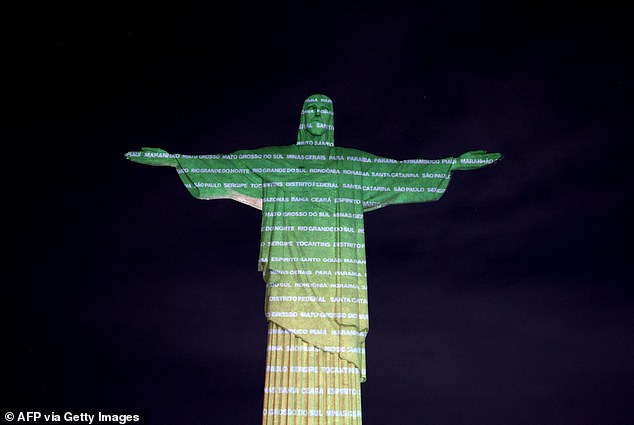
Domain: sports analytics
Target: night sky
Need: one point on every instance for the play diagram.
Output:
(509, 301)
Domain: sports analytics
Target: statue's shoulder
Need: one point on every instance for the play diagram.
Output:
(281, 149)
(351, 152)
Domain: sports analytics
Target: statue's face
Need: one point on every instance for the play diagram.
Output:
(317, 117)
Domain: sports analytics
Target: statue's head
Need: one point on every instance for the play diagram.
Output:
(316, 126)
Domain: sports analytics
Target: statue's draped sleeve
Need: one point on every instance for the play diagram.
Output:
(388, 181)
(234, 176)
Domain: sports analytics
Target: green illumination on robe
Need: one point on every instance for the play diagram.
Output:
(313, 196)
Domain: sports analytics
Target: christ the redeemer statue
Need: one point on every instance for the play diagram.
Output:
(313, 196)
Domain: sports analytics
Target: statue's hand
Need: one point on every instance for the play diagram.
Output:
(475, 159)
(152, 156)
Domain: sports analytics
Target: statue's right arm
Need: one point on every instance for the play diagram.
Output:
(152, 156)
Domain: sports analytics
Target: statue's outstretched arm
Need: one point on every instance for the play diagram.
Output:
(415, 180)
(475, 159)
(212, 176)
(152, 156)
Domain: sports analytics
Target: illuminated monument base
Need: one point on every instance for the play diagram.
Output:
(305, 385)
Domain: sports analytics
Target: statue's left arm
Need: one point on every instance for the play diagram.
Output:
(475, 159)
(388, 182)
